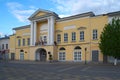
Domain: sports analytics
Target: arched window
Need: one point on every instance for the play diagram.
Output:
(77, 54)
(77, 48)
(21, 54)
(62, 54)
(21, 50)
(62, 48)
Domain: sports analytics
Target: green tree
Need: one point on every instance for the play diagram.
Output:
(110, 39)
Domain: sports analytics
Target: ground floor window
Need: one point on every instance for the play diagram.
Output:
(77, 55)
(61, 56)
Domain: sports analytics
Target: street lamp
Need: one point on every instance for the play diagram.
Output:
(85, 55)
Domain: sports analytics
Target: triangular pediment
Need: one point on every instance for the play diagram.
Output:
(41, 13)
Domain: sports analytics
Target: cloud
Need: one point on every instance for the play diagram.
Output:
(1, 34)
(20, 11)
(80, 6)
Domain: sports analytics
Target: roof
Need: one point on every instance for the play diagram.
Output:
(22, 27)
(77, 16)
(42, 10)
(113, 13)
(6, 37)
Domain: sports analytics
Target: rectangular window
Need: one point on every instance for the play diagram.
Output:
(81, 35)
(58, 38)
(61, 56)
(6, 46)
(28, 41)
(45, 39)
(77, 56)
(2, 46)
(73, 36)
(95, 35)
(23, 42)
(19, 42)
(65, 37)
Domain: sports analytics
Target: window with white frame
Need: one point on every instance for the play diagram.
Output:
(77, 54)
(81, 35)
(58, 38)
(95, 34)
(61, 56)
(65, 37)
(19, 42)
(45, 39)
(28, 41)
(73, 36)
(23, 42)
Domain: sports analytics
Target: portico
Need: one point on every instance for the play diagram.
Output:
(36, 18)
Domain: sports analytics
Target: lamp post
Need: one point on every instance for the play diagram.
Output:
(85, 55)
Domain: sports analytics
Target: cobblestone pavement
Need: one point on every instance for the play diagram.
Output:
(57, 71)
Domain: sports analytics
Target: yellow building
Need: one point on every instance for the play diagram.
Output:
(74, 38)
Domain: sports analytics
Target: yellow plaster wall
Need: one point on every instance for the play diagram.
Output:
(39, 24)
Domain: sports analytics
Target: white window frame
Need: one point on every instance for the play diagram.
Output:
(42, 37)
(77, 57)
(23, 42)
(73, 36)
(81, 35)
(58, 38)
(62, 56)
(19, 42)
(95, 34)
(65, 37)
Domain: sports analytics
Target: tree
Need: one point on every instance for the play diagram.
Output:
(110, 39)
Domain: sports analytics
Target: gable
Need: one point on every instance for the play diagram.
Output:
(40, 14)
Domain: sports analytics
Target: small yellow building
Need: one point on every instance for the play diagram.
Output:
(74, 38)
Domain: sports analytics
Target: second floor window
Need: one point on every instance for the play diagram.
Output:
(23, 42)
(45, 39)
(65, 37)
(95, 35)
(2, 46)
(73, 36)
(28, 41)
(81, 35)
(58, 38)
(19, 42)
(6, 46)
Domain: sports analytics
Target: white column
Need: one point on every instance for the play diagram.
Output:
(34, 33)
(31, 36)
(48, 37)
(51, 30)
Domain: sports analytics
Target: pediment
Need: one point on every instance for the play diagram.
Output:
(41, 13)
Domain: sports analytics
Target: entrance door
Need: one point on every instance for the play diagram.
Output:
(21, 55)
(12, 56)
(95, 56)
(41, 54)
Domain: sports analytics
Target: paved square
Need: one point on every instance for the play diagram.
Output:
(18, 70)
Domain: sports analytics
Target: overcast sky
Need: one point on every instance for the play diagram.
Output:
(14, 13)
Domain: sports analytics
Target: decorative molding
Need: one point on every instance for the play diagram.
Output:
(81, 28)
(18, 36)
(26, 34)
(58, 31)
(69, 27)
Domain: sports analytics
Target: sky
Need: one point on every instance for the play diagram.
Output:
(15, 13)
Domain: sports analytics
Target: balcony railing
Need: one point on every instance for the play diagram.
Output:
(40, 43)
